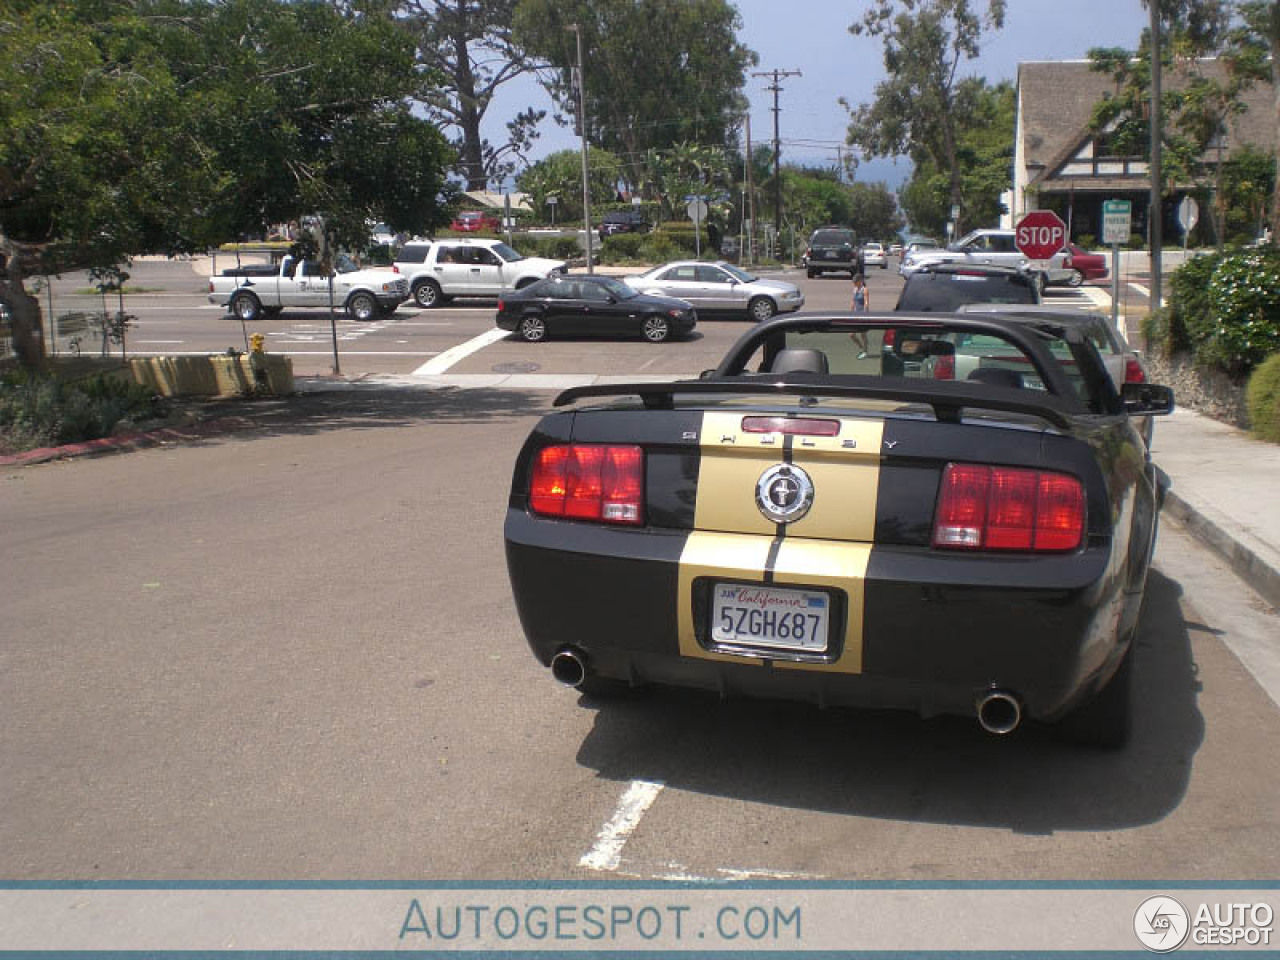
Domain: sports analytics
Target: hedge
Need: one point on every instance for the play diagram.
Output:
(1262, 397)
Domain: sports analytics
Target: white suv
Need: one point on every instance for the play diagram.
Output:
(438, 270)
(996, 247)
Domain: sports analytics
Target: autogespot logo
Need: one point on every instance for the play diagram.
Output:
(1161, 924)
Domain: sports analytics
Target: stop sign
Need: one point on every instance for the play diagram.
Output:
(1040, 234)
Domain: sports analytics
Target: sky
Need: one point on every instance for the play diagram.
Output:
(812, 36)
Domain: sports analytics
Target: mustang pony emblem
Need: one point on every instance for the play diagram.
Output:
(784, 493)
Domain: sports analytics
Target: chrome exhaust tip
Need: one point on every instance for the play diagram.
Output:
(569, 667)
(999, 712)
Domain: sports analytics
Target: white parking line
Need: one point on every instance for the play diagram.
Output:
(451, 356)
(606, 854)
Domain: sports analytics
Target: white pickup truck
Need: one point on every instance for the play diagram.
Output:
(257, 289)
(991, 247)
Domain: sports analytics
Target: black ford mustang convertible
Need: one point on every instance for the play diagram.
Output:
(830, 515)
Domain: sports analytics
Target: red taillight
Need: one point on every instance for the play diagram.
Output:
(1133, 372)
(394, 268)
(945, 367)
(890, 337)
(589, 482)
(501, 306)
(1006, 508)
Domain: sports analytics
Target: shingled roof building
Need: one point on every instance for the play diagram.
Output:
(1060, 164)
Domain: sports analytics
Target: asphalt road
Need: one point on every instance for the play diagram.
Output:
(290, 653)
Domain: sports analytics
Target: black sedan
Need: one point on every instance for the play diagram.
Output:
(592, 306)
(808, 521)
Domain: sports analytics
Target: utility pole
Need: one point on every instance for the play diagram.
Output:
(1155, 218)
(751, 202)
(776, 88)
(582, 129)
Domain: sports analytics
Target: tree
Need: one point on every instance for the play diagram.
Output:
(139, 126)
(1262, 20)
(984, 158)
(559, 175)
(1198, 107)
(917, 110)
(468, 44)
(657, 72)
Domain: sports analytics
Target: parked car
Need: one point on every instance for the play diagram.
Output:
(802, 523)
(438, 270)
(1082, 265)
(469, 221)
(720, 288)
(623, 221)
(944, 287)
(592, 306)
(895, 249)
(832, 249)
(996, 247)
(873, 255)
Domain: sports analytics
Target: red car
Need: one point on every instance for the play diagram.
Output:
(1084, 265)
(469, 221)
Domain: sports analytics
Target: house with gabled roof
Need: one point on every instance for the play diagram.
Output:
(1063, 165)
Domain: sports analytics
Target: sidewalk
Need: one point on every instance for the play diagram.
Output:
(1226, 492)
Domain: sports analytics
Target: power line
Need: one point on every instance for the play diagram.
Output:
(776, 88)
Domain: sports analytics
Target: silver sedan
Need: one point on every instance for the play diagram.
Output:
(720, 288)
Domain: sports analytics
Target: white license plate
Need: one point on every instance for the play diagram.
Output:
(754, 616)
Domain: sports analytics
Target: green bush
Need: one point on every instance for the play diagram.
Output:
(1244, 293)
(1086, 241)
(658, 247)
(1188, 320)
(554, 248)
(620, 247)
(37, 411)
(1136, 242)
(1262, 397)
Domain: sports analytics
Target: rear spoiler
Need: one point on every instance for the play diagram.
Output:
(947, 398)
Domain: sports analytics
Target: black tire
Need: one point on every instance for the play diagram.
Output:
(362, 306)
(533, 328)
(1105, 719)
(245, 306)
(655, 328)
(426, 294)
(1077, 278)
(761, 309)
(811, 273)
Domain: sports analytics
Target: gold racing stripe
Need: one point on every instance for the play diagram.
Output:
(829, 547)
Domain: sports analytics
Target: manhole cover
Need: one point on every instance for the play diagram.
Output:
(522, 366)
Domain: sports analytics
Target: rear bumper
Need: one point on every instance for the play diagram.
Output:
(915, 630)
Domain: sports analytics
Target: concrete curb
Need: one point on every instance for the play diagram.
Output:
(1260, 574)
(128, 441)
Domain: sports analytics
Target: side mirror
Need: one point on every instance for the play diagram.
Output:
(1146, 399)
(707, 374)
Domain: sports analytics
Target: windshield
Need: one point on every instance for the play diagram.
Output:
(507, 253)
(833, 237)
(741, 275)
(945, 292)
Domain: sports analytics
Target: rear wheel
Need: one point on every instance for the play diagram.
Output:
(655, 328)
(426, 294)
(533, 328)
(1077, 278)
(761, 309)
(362, 306)
(246, 307)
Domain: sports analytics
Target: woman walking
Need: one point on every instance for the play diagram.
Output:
(861, 304)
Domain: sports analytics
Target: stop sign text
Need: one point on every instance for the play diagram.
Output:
(1040, 234)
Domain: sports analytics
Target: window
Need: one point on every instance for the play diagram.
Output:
(593, 292)
(711, 275)
(413, 253)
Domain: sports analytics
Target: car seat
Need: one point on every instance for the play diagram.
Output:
(800, 361)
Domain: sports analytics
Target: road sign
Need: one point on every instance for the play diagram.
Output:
(1188, 214)
(697, 210)
(1040, 234)
(1115, 221)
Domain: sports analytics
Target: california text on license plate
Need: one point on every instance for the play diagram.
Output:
(755, 616)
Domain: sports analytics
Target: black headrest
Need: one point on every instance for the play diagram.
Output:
(998, 377)
(800, 361)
